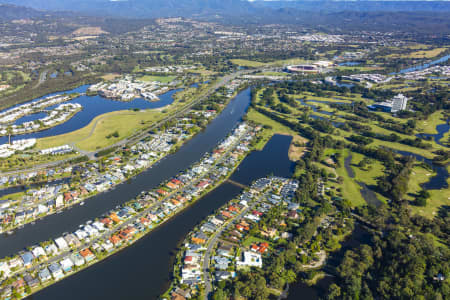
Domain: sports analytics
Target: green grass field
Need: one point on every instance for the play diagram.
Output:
(256, 64)
(14, 197)
(358, 68)
(20, 162)
(350, 189)
(369, 174)
(429, 125)
(446, 139)
(272, 74)
(438, 198)
(277, 128)
(253, 240)
(93, 136)
(247, 63)
(427, 53)
(162, 79)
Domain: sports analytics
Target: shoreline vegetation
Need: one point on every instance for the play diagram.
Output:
(82, 199)
(362, 102)
(144, 212)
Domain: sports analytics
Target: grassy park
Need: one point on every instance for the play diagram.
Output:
(94, 136)
(272, 127)
(162, 79)
(429, 125)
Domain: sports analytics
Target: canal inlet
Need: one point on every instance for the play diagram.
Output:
(93, 106)
(55, 225)
(143, 271)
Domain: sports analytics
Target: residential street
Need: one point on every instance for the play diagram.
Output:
(213, 241)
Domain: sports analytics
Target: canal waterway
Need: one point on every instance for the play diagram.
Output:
(22, 188)
(55, 225)
(423, 66)
(349, 63)
(93, 106)
(143, 271)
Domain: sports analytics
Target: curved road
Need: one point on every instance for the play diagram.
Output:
(214, 239)
(42, 79)
(144, 133)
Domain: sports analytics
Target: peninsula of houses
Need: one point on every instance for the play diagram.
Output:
(50, 261)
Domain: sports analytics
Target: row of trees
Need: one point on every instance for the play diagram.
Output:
(395, 267)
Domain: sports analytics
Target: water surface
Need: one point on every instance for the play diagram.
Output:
(143, 270)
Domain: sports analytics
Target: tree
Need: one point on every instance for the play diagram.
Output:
(334, 292)
(290, 276)
(220, 295)
(422, 197)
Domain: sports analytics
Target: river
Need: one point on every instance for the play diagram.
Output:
(69, 220)
(423, 66)
(143, 270)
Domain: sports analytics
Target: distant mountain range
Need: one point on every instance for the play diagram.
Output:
(359, 5)
(141, 8)
(189, 8)
(11, 12)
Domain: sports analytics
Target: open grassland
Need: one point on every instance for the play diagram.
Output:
(272, 74)
(10, 75)
(295, 150)
(125, 123)
(27, 161)
(202, 71)
(389, 116)
(421, 52)
(256, 64)
(292, 61)
(418, 47)
(437, 199)
(369, 173)
(427, 53)
(94, 135)
(350, 189)
(162, 79)
(15, 196)
(429, 125)
(333, 97)
(110, 76)
(247, 63)
(446, 139)
(358, 68)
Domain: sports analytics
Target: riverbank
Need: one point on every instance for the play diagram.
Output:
(201, 243)
(182, 139)
(80, 198)
(155, 251)
(141, 215)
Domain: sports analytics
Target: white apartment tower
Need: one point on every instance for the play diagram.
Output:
(399, 103)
